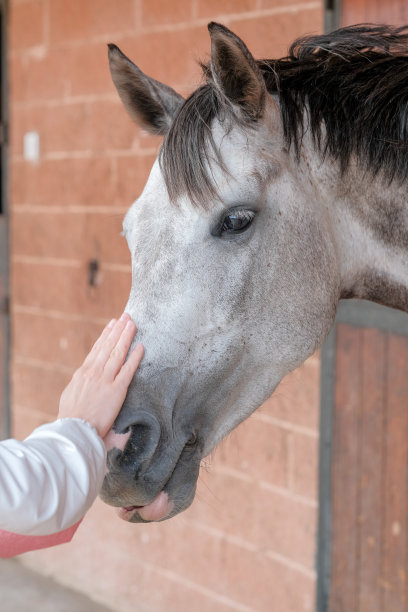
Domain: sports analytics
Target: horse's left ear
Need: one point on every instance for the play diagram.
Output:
(235, 71)
(151, 104)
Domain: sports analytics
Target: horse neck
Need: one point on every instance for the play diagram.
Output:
(370, 228)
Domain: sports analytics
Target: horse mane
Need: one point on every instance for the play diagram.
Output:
(351, 85)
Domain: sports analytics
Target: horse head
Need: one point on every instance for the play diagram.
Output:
(235, 270)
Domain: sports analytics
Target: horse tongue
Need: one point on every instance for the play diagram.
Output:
(158, 509)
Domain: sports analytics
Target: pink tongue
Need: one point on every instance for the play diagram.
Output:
(157, 509)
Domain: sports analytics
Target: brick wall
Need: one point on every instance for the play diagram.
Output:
(248, 541)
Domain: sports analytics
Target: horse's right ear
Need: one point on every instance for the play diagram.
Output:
(152, 105)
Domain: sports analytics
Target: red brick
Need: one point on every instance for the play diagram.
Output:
(111, 127)
(305, 461)
(25, 420)
(69, 20)
(66, 289)
(272, 35)
(87, 69)
(149, 142)
(26, 24)
(132, 173)
(257, 449)
(60, 73)
(77, 20)
(64, 182)
(90, 236)
(21, 121)
(170, 56)
(38, 77)
(229, 578)
(65, 127)
(212, 9)
(174, 595)
(53, 340)
(157, 12)
(273, 521)
(296, 400)
(268, 4)
(38, 389)
(173, 550)
(83, 126)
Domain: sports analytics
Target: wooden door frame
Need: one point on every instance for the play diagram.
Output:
(360, 314)
(4, 234)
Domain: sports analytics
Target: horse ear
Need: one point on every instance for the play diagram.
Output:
(235, 71)
(152, 105)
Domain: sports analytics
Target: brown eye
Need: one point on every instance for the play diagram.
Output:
(237, 221)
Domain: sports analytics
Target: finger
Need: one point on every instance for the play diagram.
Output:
(127, 371)
(106, 347)
(105, 333)
(120, 350)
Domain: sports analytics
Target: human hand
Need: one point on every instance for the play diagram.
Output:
(98, 388)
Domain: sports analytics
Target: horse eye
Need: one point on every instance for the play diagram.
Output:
(237, 221)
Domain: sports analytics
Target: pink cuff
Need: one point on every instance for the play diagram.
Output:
(12, 544)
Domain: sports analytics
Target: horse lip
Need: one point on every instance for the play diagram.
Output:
(130, 508)
(158, 509)
(126, 513)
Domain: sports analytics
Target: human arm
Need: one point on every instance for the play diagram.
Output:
(49, 481)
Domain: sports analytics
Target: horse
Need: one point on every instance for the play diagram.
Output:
(279, 189)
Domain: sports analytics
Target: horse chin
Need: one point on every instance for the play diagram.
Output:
(159, 509)
(137, 503)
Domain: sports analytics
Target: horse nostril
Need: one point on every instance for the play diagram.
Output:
(140, 438)
(143, 441)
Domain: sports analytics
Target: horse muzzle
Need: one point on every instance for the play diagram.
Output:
(150, 476)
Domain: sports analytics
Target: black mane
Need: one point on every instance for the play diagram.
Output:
(353, 85)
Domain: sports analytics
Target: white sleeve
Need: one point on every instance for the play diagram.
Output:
(50, 480)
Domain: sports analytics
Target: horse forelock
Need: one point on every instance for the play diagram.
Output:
(189, 147)
(352, 85)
